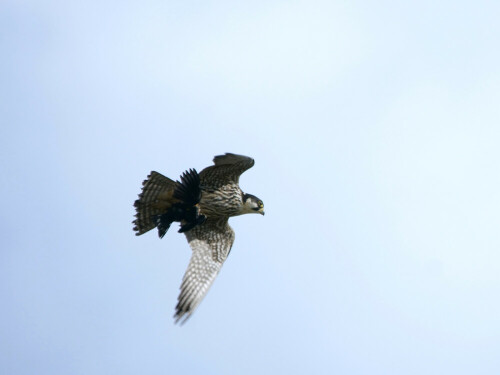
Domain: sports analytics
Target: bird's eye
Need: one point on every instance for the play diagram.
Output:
(261, 204)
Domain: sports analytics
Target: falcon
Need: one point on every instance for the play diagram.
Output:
(202, 204)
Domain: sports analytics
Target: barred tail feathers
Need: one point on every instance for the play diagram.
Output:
(155, 199)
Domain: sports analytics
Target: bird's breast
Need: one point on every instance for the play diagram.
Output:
(223, 201)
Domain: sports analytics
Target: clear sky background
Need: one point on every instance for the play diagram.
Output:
(375, 127)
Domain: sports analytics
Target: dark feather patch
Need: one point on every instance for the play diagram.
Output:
(188, 190)
(163, 224)
(188, 194)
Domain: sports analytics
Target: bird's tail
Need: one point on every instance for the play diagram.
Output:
(156, 198)
(163, 201)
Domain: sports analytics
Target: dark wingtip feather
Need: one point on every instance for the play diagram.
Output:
(188, 190)
(181, 316)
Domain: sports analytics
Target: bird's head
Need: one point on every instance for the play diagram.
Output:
(252, 205)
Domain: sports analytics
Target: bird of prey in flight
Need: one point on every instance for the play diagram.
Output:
(202, 203)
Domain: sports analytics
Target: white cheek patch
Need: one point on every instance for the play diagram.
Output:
(250, 206)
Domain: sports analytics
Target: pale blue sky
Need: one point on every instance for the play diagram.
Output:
(375, 128)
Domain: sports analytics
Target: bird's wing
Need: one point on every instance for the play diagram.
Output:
(227, 169)
(211, 243)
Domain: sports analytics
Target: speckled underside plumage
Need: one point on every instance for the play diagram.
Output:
(211, 244)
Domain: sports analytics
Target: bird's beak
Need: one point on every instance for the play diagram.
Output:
(262, 212)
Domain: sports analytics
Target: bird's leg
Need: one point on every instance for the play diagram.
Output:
(163, 222)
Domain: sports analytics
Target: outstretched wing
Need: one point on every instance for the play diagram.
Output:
(211, 243)
(227, 169)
